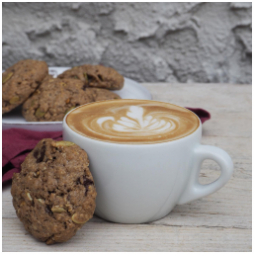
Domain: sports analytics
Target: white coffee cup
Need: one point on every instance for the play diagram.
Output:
(138, 183)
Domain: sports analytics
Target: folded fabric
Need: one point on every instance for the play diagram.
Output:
(17, 143)
(201, 113)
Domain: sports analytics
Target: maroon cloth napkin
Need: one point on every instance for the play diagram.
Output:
(201, 113)
(17, 143)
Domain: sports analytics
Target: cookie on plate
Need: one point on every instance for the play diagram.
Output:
(54, 98)
(54, 194)
(102, 94)
(20, 81)
(96, 76)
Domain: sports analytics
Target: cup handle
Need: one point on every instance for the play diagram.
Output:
(194, 189)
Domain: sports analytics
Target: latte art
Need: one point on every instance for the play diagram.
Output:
(132, 121)
(137, 123)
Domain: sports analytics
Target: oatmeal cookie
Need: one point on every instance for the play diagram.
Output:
(54, 98)
(47, 78)
(54, 194)
(96, 76)
(102, 94)
(20, 81)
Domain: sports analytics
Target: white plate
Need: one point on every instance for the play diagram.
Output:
(14, 119)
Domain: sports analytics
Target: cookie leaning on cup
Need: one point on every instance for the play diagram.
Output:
(97, 76)
(20, 81)
(54, 194)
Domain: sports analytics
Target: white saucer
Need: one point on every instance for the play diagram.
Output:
(14, 119)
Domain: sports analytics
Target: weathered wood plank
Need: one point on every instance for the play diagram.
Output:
(117, 237)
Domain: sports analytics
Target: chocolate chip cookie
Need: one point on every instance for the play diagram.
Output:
(96, 76)
(54, 194)
(20, 81)
(54, 98)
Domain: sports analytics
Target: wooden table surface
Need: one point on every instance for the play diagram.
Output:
(219, 222)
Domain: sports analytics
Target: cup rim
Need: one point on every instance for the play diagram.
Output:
(131, 143)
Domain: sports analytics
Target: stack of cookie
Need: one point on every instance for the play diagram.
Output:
(45, 98)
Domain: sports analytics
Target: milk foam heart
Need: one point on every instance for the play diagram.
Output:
(132, 121)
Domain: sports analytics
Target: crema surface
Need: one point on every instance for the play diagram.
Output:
(132, 121)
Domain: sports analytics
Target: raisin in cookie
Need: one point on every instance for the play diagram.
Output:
(54, 98)
(96, 76)
(54, 194)
(20, 81)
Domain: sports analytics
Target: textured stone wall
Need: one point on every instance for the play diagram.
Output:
(174, 42)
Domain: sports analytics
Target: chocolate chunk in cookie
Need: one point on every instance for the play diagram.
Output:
(96, 76)
(20, 81)
(54, 194)
(54, 98)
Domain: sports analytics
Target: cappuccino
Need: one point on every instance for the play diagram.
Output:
(132, 121)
